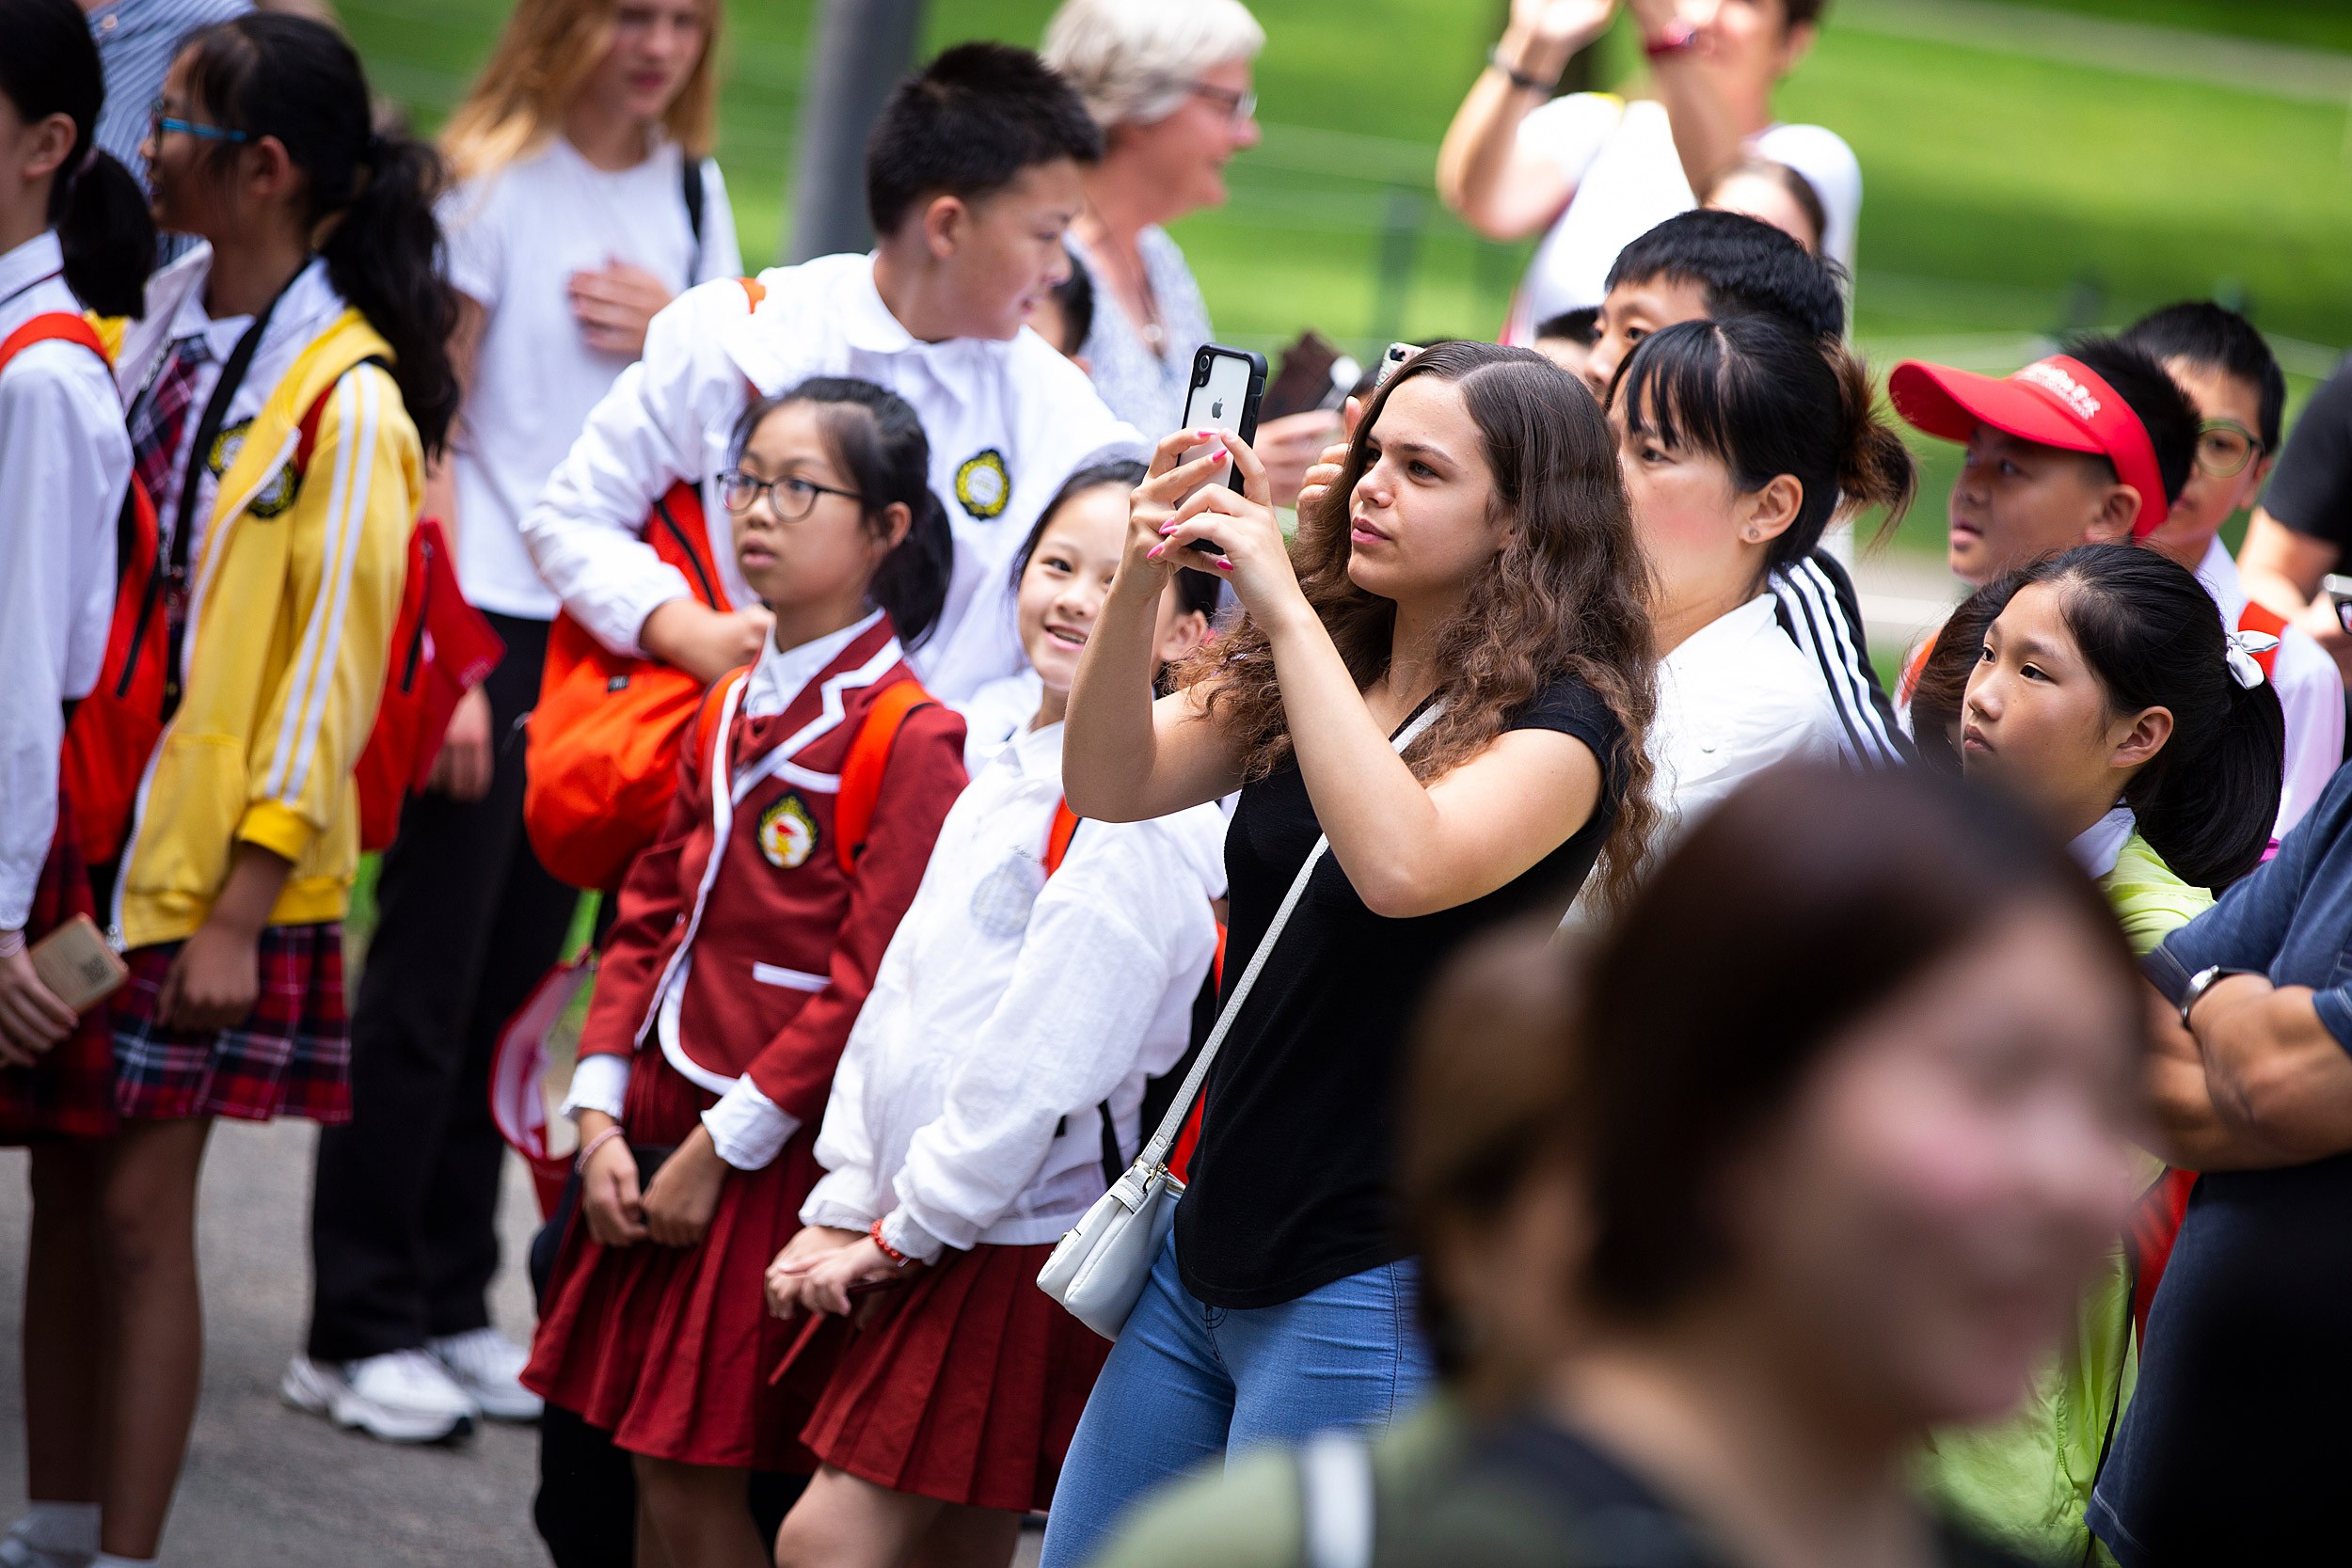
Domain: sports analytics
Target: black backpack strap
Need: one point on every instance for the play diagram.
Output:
(691, 182)
(1114, 1163)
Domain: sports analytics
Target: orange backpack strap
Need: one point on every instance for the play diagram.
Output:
(53, 326)
(2261, 618)
(1058, 837)
(707, 714)
(861, 774)
(1908, 685)
(754, 290)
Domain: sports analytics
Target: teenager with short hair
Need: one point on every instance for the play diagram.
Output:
(286, 538)
(2300, 532)
(569, 226)
(1474, 567)
(1591, 171)
(1772, 192)
(1739, 440)
(2229, 374)
(2081, 448)
(973, 175)
(747, 940)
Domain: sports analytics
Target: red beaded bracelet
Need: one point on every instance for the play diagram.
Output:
(898, 1259)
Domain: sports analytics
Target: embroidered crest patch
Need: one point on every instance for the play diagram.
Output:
(982, 485)
(787, 833)
(276, 495)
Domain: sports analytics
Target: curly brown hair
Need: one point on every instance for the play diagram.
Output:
(1568, 596)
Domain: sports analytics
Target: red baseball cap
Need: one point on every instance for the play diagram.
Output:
(2059, 401)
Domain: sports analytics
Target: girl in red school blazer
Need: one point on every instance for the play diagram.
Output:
(747, 940)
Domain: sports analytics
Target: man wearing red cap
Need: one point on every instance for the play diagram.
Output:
(2085, 447)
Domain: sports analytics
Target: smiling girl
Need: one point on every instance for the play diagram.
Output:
(1473, 563)
(991, 1091)
(747, 940)
(1739, 439)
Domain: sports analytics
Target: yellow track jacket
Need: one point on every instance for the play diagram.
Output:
(290, 627)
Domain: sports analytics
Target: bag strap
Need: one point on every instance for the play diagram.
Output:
(691, 189)
(861, 774)
(58, 326)
(1155, 1151)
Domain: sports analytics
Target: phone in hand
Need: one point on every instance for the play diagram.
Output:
(1227, 383)
(76, 966)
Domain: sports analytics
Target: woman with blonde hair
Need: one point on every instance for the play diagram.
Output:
(585, 199)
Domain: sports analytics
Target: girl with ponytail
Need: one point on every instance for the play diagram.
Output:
(2103, 691)
(284, 382)
(1739, 439)
(74, 235)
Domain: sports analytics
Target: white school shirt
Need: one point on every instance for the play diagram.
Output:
(746, 1126)
(2311, 692)
(1011, 1004)
(995, 714)
(175, 313)
(64, 459)
(1629, 179)
(1735, 698)
(1008, 422)
(515, 239)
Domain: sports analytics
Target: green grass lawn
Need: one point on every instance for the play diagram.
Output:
(2006, 196)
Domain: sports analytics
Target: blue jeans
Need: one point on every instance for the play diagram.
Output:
(1188, 1381)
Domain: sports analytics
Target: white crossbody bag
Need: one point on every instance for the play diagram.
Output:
(1098, 1270)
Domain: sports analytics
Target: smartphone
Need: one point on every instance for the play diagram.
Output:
(1227, 383)
(76, 966)
(2339, 591)
(1392, 360)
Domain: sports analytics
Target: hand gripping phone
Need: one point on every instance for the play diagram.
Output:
(1227, 383)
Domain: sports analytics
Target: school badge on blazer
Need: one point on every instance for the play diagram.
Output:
(982, 483)
(276, 495)
(787, 833)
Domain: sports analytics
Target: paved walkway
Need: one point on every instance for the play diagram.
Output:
(266, 1485)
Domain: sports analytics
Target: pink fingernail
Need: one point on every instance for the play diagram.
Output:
(1219, 455)
(1154, 553)
(1167, 528)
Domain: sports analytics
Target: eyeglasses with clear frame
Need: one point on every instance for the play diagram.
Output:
(2225, 446)
(1240, 107)
(791, 498)
(160, 122)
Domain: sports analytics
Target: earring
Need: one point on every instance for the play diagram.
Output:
(1751, 535)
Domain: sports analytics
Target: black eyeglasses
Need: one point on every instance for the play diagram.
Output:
(2225, 446)
(1239, 107)
(160, 122)
(791, 498)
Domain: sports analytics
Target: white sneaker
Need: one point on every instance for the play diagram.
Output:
(403, 1397)
(17, 1552)
(488, 1367)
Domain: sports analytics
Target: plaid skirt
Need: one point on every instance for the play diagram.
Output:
(291, 1058)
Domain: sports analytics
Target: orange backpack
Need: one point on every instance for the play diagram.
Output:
(442, 648)
(604, 738)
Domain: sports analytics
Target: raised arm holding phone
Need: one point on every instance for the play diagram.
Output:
(1472, 550)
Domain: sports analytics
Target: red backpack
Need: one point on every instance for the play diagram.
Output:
(442, 647)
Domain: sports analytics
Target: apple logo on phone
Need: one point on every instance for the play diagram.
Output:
(1216, 409)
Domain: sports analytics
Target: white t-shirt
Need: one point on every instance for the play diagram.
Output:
(1629, 179)
(515, 239)
(1008, 422)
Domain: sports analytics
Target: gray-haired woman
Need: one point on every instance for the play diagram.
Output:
(1170, 83)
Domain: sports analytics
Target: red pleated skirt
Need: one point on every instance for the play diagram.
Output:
(967, 1389)
(669, 1349)
(70, 1093)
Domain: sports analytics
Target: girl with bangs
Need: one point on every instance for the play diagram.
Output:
(580, 158)
(1448, 676)
(1739, 440)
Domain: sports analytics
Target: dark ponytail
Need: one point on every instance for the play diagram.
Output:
(1768, 400)
(877, 439)
(50, 66)
(2150, 632)
(269, 75)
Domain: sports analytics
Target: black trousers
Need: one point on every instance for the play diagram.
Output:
(403, 1222)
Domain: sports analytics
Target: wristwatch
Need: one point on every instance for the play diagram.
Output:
(2203, 981)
